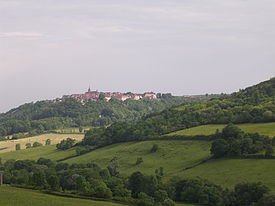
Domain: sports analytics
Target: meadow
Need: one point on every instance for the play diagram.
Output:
(267, 129)
(11, 196)
(49, 152)
(9, 145)
(173, 156)
(228, 172)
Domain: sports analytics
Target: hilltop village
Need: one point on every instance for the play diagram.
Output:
(96, 95)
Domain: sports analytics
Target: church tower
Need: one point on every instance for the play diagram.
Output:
(89, 90)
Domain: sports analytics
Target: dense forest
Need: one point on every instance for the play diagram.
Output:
(43, 115)
(252, 105)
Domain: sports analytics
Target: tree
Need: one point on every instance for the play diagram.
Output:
(136, 183)
(219, 148)
(269, 151)
(28, 145)
(53, 181)
(80, 129)
(232, 131)
(65, 144)
(37, 144)
(48, 142)
(101, 96)
(249, 193)
(17, 147)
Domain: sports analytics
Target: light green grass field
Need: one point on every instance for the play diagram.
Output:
(267, 129)
(173, 156)
(9, 145)
(228, 172)
(10, 196)
(49, 152)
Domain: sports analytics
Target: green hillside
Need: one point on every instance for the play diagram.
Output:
(11, 196)
(173, 156)
(255, 104)
(49, 152)
(35, 118)
(267, 129)
(228, 172)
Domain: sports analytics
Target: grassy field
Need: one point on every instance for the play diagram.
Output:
(267, 129)
(9, 145)
(228, 172)
(48, 151)
(173, 156)
(11, 196)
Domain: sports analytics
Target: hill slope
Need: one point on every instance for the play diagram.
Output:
(267, 129)
(23, 197)
(44, 115)
(253, 105)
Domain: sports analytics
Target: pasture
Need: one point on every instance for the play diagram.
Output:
(172, 155)
(9, 145)
(228, 172)
(267, 129)
(11, 196)
(49, 152)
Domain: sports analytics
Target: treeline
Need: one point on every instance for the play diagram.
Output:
(43, 116)
(233, 142)
(139, 189)
(252, 105)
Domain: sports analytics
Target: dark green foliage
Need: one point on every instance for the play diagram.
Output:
(154, 148)
(267, 201)
(48, 142)
(198, 191)
(139, 161)
(38, 117)
(17, 147)
(28, 145)
(37, 144)
(234, 142)
(92, 181)
(65, 144)
(248, 193)
(219, 148)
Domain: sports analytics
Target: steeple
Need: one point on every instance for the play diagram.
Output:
(89, 90)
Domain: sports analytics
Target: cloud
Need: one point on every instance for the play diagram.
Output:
(20, 34)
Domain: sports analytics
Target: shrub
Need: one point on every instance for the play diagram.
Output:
(139, 160)
(37, 144)
(17, 147)
(154, 148)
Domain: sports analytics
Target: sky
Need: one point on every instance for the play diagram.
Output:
(53, 47)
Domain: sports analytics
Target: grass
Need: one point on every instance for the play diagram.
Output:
(49, 152)
(228, 172)
(267, 129)
(11, 196)
(173, 156)
(9, 145)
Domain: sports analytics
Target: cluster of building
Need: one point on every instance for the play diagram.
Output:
(95, 95)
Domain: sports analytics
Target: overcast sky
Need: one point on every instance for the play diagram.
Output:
(53, 47)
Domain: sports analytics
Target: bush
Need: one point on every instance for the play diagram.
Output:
(154, 148)
(48, 142)
(37, 144)
(17, 147)
(65, 144)
(28, 145)
(139, 160)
